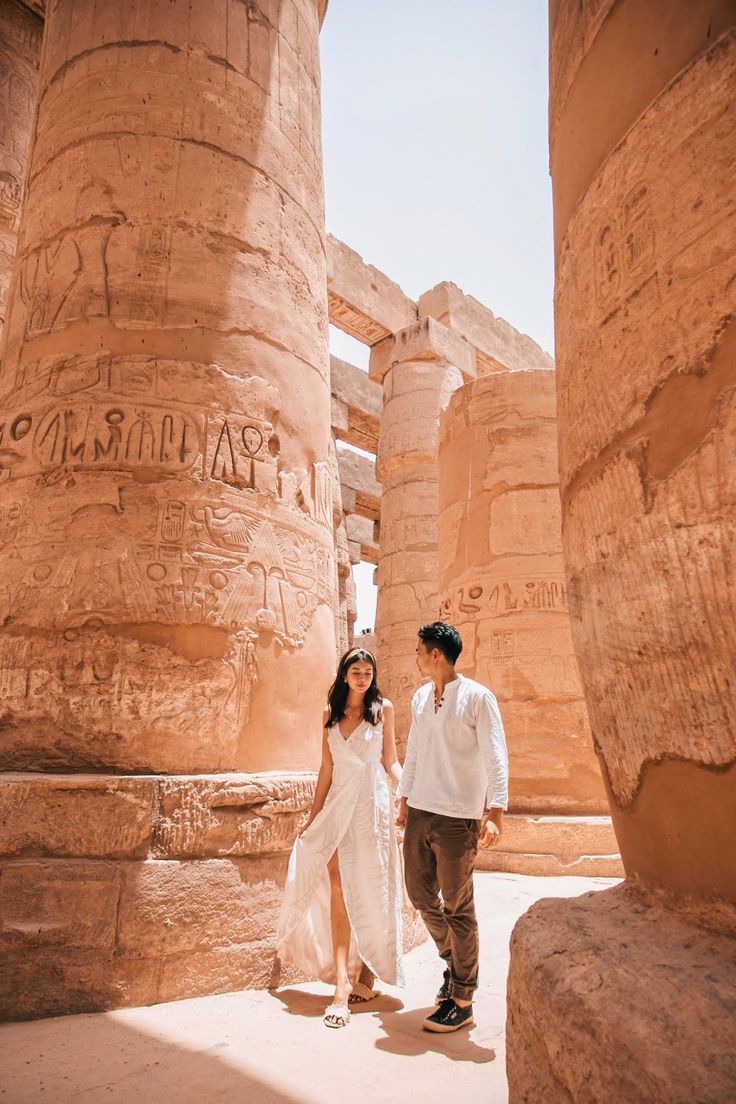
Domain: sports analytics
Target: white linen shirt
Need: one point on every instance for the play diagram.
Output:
(456, 759)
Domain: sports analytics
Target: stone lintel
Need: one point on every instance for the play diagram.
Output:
(499, 347)
(361, 492)
(361, 531)
(362, 301)
(357, 404)
(426, 339)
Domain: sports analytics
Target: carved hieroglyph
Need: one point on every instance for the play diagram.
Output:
(20, 50)
(502, 582)
(165, 493)
(646, 302)
(643, 148)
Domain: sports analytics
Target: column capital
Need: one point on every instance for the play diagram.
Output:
(425, 339)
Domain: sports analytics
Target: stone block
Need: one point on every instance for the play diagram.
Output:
(426, 339)
(556, 846)
(65, 903)
(87, 816)
(362, 301)
(361, 491)
(204, 817)
(499, 347)
(611, 997)
(170, 907)
(353, 387)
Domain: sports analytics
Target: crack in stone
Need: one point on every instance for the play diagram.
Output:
(679, 414)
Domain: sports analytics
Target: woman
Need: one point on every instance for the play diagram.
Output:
(341, 914)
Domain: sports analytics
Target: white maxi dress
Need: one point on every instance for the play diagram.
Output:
(357, 821)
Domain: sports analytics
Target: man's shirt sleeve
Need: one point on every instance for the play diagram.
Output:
(492, 741)
(410, 762)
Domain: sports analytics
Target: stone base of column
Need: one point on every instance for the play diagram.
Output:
(128, 890)
(611, 999)
(580, 846)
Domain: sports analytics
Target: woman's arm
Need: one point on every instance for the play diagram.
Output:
(389, 758)
(324, 778)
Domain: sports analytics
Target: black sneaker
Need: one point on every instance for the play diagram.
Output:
(445, 990)
(449, 1017)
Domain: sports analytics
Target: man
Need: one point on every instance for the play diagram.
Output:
(453, 790)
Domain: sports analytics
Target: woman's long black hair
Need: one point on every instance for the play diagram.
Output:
(338, 694)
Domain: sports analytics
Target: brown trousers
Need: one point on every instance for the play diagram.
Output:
(439, 857)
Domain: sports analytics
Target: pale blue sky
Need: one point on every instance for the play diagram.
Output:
(435, 149)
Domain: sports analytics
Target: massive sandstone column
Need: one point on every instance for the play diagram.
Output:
(420, 367)
(167, 498)
(502, 583)
(643, 149)
(168, 578)
(20, 50)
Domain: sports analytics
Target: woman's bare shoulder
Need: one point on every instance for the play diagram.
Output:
(388, 705)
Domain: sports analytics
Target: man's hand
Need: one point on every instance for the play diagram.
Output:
(402, 813)
(491, 828)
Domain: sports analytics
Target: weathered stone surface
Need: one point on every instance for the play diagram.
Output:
(498, 346)
(80, 936)
(362, 531)
(356, 405)
(59, 904)
(20, 51)
(634, 48)
(554, 846)
(425, 340)
(76, 816)
(646, 382)
(645, 307)
(361, 491)
(230, 815)
(502, 583)
(362, 301)
(172, 907)
(168, 538)
(611, 999)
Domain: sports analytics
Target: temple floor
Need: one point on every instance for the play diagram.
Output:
(272, 1048)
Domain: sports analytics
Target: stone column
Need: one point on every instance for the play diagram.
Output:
(168, 588)
(502, 583)
(420, 367)
(643, 147)
(20, 51)
(166, 501)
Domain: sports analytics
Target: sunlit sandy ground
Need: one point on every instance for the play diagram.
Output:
(272, 1048)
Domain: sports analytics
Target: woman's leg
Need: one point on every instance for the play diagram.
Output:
(340, 925)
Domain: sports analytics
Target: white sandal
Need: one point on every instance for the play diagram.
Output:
(336, 1015)
(361, 994)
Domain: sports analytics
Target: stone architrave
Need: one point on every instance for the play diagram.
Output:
(168, 589)
(20, 52)
(166, 504)
(643, 148)
(420, 368)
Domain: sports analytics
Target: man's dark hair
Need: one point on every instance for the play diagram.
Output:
(439, 634)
